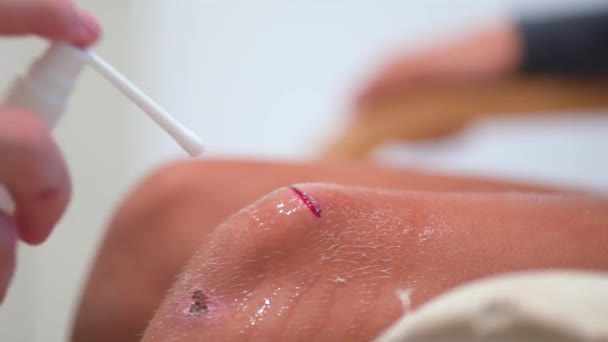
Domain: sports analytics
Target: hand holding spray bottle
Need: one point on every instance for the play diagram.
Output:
(46, 87)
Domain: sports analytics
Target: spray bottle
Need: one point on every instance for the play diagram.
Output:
(46, 87)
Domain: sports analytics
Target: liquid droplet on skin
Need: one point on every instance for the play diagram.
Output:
(285, 210)
(293, 297)
(339, 280)
(405, 297)
(260, 309)
(263, 308)
(260, 312)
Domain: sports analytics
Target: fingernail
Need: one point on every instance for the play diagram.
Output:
(89, 29)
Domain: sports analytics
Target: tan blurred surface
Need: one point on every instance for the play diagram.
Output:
(438, 111)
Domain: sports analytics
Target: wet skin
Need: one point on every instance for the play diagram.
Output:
(366, 244)
(276, 272)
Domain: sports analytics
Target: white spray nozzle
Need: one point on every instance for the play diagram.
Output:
(189, 141)
(46, 87)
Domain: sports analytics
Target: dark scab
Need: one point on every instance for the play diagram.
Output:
(198, 306)
(199, 295)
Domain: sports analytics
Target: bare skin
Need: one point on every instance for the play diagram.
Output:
(276, 272)
(488, 54)
(171, 214)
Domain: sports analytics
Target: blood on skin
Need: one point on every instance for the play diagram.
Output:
(307, 200)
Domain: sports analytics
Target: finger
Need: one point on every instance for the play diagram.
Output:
(8, 242)
(52, 19)
(33, 170)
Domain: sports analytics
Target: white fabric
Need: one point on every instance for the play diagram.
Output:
(540, 306)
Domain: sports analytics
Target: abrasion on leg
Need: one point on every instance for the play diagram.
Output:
(198, 306)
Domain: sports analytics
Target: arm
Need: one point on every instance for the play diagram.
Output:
(575, 44)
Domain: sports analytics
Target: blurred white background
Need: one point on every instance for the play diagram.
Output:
(264, 79)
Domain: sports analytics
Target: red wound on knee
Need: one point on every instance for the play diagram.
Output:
(308, 201)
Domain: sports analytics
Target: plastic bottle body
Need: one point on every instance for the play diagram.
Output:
(44, 90)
